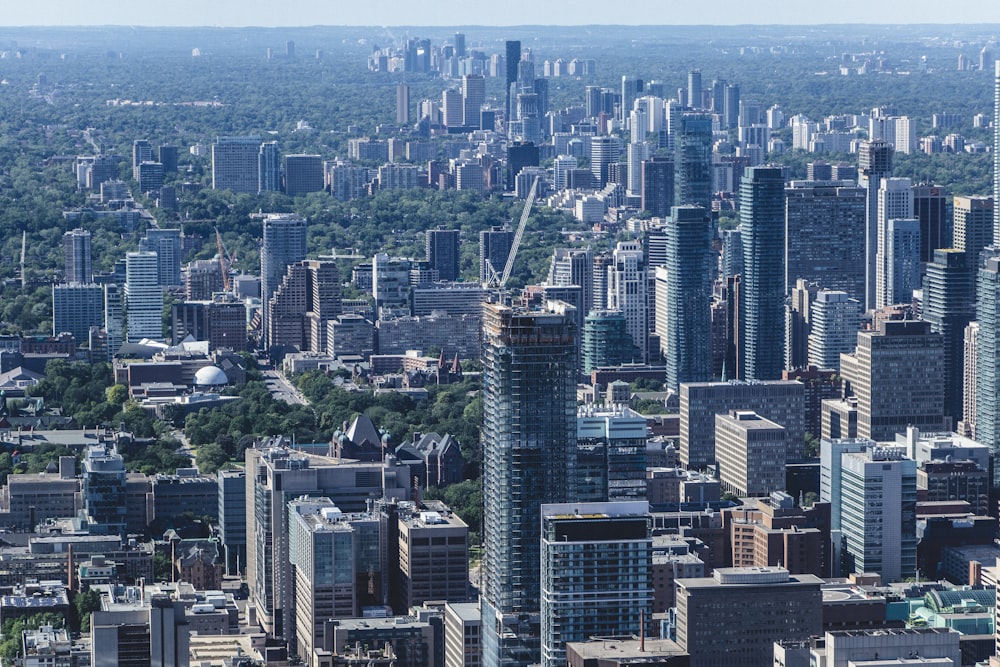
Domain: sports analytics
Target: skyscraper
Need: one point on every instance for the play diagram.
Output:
(114, 322)
(693, 161)
(442, 246)
(874, 164)
(973, 219)
(902, 260)
(303, 174)
(834, 319)
(530, 367)
(694, 91)
(494, 247)
(76, 244)
(895, 202)
(949, 305)
(825, 236)
(269, 167)
(473, 98)
(75, 308)
(402, 103)
(513, 57)
(657, 178)
(627, 289)
(930, 207)
(762, 221)
(143, 297)
(988, 357)
(996, 150)
(284, 243)
(689, 294)
(631, 87)
(574, 266)
(236, 164)
(166, 243)
(604, 151)
(609, 544)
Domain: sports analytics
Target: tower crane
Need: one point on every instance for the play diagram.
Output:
(225, 260)
(499, 281)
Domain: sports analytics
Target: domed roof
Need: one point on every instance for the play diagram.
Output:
(210, 376)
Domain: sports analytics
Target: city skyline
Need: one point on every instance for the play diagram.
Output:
(299, 13)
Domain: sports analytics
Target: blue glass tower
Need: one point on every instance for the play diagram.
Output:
(689, 295)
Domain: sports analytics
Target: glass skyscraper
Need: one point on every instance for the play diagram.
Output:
(693, 161)
(689, 295)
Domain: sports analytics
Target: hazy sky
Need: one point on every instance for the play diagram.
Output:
(487, 12)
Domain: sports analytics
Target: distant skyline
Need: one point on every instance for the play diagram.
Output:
(295, 13)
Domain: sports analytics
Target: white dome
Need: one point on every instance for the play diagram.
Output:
(210, 376)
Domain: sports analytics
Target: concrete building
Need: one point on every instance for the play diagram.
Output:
(900, 646)
(433, 556)
(627, 291)
(973, 224)
(143, 297)
(834, 320)
(770, 603)
(131, 628)
(235, 164)
(78, 266)
(462, 634)
(284, 243)
(751, 453)
(75, 308)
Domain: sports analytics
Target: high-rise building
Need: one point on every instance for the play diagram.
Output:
(657, 179)
(762, 222)
(166, 243)
(530, 367)
(694, 89)
(996, 150)
(771, 603)
(168, 158)
(988, 355)
(143, 297)
(303, 174)
(690, 270)
(895, 202)
(930, 207)
(149, 176)
(627, 289)
(269, 167)
(693, 161)
(452, 108)
(104, 475)
(731, 114)
(967, 426)
(874, 164)
(825, 236)
(574, 266)
(631, 87)
(236, 164)
(606, 341)
(604, 151)
(611, 453)
(76, 245)
(233, 518)
(751, 452)
(896, 374)
(473, 98)
(834, 320)
(902, 262)
(284, 243)
(512, 58)
(114, 323)
(494, 248)
(609, 544)
(973, 220)
(402, 103)
(949, 305)
(781, 401)
(878, 512)
(798, 323)
(442, 246)
(142, 151)
(75, 308)
(302, 305)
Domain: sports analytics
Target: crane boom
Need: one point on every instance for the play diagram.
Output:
(222, 260)
(518, 234)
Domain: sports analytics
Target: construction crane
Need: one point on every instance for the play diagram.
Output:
(497, 281)
(225, 260)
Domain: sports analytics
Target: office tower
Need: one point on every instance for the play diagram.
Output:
(142, 151)
(627, 291)
(732, 252)
(139, 626)
(574, 266)
(462, 634)
(878, 512)
(797, 323)
(609, 545)
(473, 98)
(402, 103)
(519, 156)
(233, 518)
(657, 183)
(996, 151)
(103, 472)
(302, 305)
(771, 604)
(825, 236)
(561, 165)
(781, 401)
(76, 245)
(114, 323)
(988, 355)
(694, 90)
(513, 57)
(166, 243)
(269, 167)
(143, 297)
(284, 242)
(930, 207)
(442, 246)
(604, 151)
(831, 452)
(494, 248)
(149, 176)
(303, 174)
(731, 115)
(459, 45)
(606, 341)
(236, 164)
(751, 453)
(611, 453)
(168, 158)
(530, 367)
(75, 308)
(637, 153)
(631, 87)
(973, 223)
(896, 374)
(968, 425)
(451, 107)
(763, 307)
(834, 320)
(874, 164)
(391, 285)
(690, 269)
(949, 305)
(433, 556)
(221, 320)
(693, 161)
(895, 202)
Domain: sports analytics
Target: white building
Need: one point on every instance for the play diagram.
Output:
(627, 288)
(143, 297)
(834, 318)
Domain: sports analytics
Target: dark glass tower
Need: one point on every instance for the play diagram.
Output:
(693, 161)
(949, 306)
(442, 252)
(529, 454)
(689, 295)
(762, 221)
(513, 58)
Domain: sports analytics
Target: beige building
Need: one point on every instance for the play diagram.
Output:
(751, 453)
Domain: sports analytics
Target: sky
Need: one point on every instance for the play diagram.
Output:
(284, 13)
